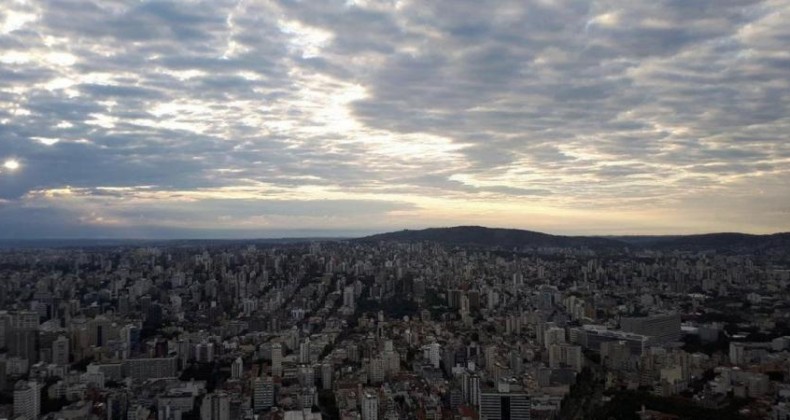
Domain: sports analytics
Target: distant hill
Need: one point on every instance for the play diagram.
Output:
(510, 238)
(505, 238)
(728, 241)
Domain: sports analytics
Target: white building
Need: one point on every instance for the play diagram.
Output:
(60, 351)
(370, 407)
(27, 399)
(277, 359)
(237, 368)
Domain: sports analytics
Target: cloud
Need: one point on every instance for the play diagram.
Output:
(453, 109)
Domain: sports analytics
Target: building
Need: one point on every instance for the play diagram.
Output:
(376, 370)
(215, 406)
(277, 359)
(237, 368)
(326, 376)
(150, 368)
(370, 407)
(661, 329)
(204, 352)
(23, 343)
(27, 400)
(503, 404)
(434, 354)
(304, 351)
(263, 393)
(553, 335)
(563, 355)
(348, 297)
(60, 351)
(306, 375)
(591, 337)
(471, 389)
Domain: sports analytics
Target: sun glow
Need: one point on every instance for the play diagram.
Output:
(11, 164)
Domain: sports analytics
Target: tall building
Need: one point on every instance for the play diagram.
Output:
(277, 359)
(100, 330)
(23, 343)
(326, 375)
(117, 405)
(237, 368)
(263, 393)
(370, 407)
(473, 390)
(60, 351)
(348, 297)
(27, 399)
(376, 370)
(25, 320)
(304, 351)
(204, 352)
(215, 406)
(563, 355)
(490, 357)
(306, 375)
(504, 405)
(554, 335)
(434, 354)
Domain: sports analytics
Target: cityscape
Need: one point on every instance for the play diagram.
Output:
(394, 209)
(430, 324)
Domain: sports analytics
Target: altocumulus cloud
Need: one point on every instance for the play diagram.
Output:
(157, 118)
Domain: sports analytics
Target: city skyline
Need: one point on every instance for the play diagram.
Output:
(186, 119)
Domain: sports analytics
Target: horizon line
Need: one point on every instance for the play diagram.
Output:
(349, 237)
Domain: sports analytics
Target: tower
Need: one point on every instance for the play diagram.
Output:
(277, 359)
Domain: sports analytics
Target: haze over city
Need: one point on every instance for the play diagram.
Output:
(335, 118)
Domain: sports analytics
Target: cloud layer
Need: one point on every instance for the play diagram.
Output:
(145, 118)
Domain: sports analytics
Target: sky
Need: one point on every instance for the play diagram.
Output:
(253, 118)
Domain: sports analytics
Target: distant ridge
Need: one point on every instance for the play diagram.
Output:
(505, 238)
(731, 241)
(510, 238)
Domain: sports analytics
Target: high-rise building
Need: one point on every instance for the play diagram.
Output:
(376, 370)
(370, 407)
(27, 399)
(277, 359)
(504, 405)
(490, 357)
(263, 393)
(306, 375)
(304, 351)
(5, 325)
(117, 406)
(25, 320)
(60, 351)
(326, 375)
(215, 406)
(553, 335)
(23, 343)
(434, 354)
(563, 355)
(100, 330)
(348, 297)
(204, 352)
(237, 368)
(473, 390)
